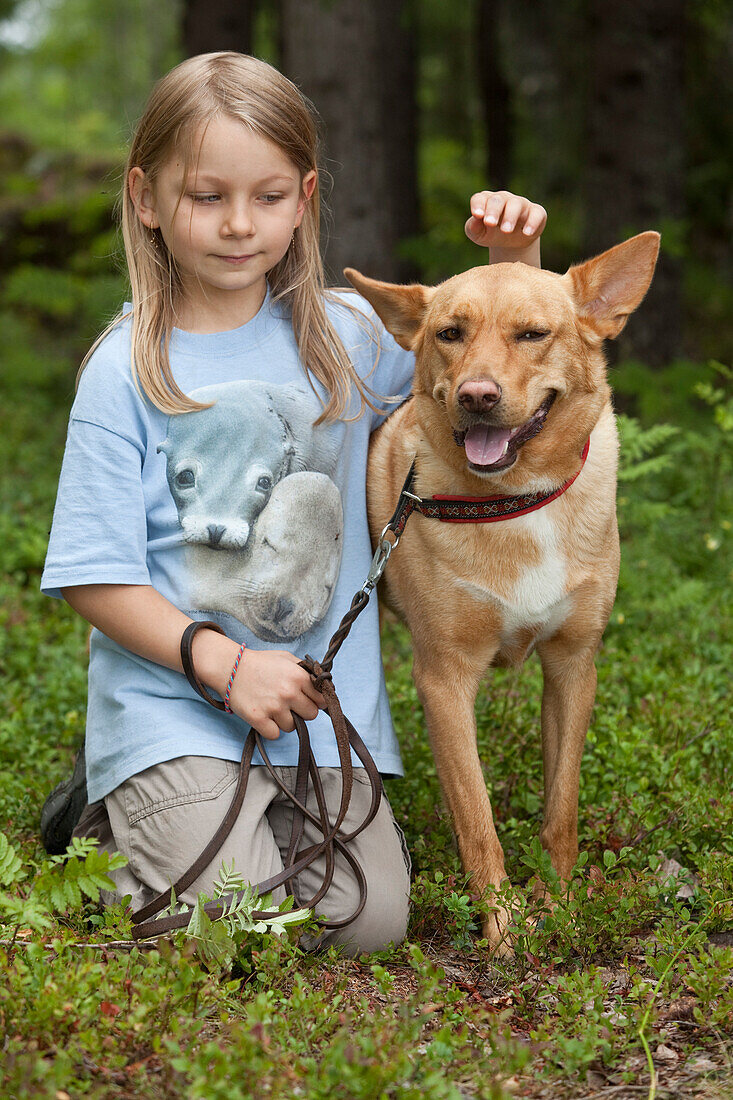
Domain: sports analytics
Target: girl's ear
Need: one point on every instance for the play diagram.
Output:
(307, 188)
(143, 199)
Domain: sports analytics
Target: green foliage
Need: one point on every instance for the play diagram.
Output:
(10, 864)
(244, 920)
(438, 907)
(637, 445)
(61, 883)
(86, 71)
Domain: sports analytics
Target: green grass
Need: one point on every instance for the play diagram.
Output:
(618, 968)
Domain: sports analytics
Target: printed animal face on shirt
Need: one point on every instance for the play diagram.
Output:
(292, 566)
(222, 463)
(260, 515)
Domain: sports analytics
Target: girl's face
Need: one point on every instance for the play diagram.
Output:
(239, 207)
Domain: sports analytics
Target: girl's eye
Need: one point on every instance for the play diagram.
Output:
(531, 334)
(449, 335)
(271, 199)
(206, 200)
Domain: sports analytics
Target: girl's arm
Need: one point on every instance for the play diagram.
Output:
(508, 225)
(268, 685)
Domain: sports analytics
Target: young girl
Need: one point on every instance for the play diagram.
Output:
(215, 470)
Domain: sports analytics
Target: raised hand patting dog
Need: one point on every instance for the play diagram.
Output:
(510, 399)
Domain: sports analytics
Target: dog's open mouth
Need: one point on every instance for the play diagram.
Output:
(490, 449)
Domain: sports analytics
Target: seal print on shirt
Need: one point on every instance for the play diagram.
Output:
(261, 517)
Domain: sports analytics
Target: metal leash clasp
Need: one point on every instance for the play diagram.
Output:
(385, 547)
(380, 559)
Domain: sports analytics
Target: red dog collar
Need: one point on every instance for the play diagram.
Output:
(451, 509)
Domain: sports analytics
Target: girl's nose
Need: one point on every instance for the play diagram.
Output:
(238, 221)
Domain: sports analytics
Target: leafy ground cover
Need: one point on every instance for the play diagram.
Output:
(622, 989)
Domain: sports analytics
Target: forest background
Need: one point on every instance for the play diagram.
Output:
(617, 118)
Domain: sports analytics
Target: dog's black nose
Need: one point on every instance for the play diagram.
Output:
(479, 394)
(215, 534)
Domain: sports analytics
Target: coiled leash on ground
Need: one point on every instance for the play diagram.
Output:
(144, 920)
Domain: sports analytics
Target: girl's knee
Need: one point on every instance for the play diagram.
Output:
(377, 928)
(378, 931)
(382, 923)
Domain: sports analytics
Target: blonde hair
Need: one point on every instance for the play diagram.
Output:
(181, 103)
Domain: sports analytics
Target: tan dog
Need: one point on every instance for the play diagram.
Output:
(510, 384)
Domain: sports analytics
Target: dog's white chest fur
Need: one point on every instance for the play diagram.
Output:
(538, 598)
(539, 594)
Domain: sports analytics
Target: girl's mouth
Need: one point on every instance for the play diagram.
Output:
(491, 449)
(236, 259)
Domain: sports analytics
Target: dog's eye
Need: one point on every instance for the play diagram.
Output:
(264, 484)
(449, 335)
(185, 479)
(532, 334)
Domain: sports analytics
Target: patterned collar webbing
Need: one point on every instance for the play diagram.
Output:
(451, 509)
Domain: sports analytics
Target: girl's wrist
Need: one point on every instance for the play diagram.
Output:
(213, 658)
(230, 681)
(529, 255)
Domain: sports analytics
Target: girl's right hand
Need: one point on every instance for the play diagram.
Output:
(500, 219)
(269, 684)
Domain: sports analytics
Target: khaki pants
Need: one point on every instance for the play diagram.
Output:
(162, 818)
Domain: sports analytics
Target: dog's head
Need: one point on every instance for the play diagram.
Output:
(504, 349)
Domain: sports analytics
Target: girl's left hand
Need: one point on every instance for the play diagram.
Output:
(500, 219)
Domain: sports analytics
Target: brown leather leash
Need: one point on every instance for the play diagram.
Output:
(144, 920)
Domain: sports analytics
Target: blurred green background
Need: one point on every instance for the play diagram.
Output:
(615, 120)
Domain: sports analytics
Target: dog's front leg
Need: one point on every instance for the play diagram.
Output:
(448, 696)
(567, 703)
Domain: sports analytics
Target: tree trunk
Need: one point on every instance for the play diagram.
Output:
(531, 67)
(496, 96)
(634, 178)
(210, 25)
(356, 61)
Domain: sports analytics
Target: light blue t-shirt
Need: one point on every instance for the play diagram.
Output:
(243, 513)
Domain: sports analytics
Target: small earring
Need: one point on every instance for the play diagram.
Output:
(153, 237)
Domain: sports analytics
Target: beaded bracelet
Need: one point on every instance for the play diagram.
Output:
(232, 674)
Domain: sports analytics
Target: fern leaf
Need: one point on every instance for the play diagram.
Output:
(27, 912)
(638, 442)
(645, 468)
(11, 869)
(200, 922)
(73, 893)
(57, 896)
(229, 881)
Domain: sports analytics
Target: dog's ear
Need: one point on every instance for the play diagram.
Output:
(609, 287)
(401, 308)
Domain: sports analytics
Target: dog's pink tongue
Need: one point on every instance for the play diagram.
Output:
(486, 445)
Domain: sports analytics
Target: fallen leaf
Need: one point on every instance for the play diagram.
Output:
(665, 1054)
(671, 873)
(700, 1065)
